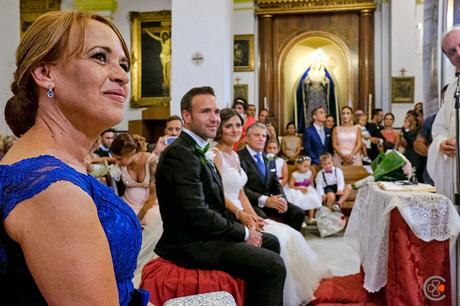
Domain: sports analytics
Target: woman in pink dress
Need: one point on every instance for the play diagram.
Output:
(391, 135)
(346, 140)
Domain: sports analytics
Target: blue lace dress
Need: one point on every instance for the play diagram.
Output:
(21, 181)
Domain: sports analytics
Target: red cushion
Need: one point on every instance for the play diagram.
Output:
(346, 290)
(165, 280)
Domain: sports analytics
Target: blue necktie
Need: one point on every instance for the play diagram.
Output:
(261, 166)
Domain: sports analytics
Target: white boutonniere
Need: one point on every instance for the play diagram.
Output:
(210, 155)
(270, 156)
(206, 156)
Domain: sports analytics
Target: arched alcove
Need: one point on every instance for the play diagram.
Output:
(297, 57)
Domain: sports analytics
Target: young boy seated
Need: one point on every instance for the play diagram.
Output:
(330, 184)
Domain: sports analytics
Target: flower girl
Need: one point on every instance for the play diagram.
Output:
(301, 190)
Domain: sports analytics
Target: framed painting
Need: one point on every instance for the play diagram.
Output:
(240, 91)
(243, 53)
(402, 89)
(151, 58)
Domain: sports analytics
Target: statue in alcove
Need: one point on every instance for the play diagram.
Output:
(315, 88)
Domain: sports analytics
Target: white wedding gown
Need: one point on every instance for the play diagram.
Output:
(303, 266)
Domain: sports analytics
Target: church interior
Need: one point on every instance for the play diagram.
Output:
(287, 57)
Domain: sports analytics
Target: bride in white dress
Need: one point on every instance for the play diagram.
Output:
(304, 268)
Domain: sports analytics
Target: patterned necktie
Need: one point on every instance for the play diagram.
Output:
(261, 166)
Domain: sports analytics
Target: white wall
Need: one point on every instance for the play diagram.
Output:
(406, 50)
(245, 23)
(208, 32)
(9, 33)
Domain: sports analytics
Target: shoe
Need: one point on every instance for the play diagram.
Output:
(312, 221)
(336, 207)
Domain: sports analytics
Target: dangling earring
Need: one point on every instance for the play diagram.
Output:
(50, 92)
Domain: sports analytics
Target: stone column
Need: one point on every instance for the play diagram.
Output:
(266, 97)
(366, 60)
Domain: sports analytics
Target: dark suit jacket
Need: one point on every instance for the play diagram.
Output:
(374, 131)
(255, 188)
(313, 146)
(196, 224)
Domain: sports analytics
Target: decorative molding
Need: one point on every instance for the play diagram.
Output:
(311, 6)
(96, 5)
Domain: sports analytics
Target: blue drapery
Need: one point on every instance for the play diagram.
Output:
(300, 103)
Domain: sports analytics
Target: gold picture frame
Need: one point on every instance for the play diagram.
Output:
(402, 89)
(240, 91)
(243, 52)
(151, 58)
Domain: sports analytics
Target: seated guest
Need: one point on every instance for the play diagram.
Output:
(138, 175)
(263, 188)
(137, 172)
(240, 106)
(66, 239)
(391, 135)
(198, 231)
(302, 190)
(172, 130)
(317, 138)
(330, 184)
(291, 143)
(304, 269)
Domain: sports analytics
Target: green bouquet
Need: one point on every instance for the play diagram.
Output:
(388, 166)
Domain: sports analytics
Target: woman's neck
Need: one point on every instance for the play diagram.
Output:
(59, 139)
(225, 147)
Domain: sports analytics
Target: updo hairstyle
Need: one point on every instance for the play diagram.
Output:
(125, 144)
(52, 37)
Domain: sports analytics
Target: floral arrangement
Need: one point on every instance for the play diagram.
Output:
(102, 169)
(388, 166)
(206, 156)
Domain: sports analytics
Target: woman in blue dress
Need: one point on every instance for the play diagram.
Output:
(66, 239)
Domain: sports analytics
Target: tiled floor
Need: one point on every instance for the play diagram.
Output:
(336, 252)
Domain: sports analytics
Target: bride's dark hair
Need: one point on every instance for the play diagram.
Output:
(225, 115)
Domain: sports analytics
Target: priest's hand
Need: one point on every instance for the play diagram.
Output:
(448, 147)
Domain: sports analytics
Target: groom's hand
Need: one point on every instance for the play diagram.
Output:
(255, 237)
(277, 202)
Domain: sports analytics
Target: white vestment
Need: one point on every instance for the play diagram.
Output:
(442, 168)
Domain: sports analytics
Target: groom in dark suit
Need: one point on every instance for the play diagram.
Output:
(317, 138)
(198, 231)
(263, 187)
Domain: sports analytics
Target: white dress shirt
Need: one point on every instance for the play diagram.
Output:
(331, 179)
(320, 130)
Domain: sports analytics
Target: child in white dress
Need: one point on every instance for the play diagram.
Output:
(301, 190)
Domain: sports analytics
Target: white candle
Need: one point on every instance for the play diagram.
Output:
(369, 110)
(265, 103)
